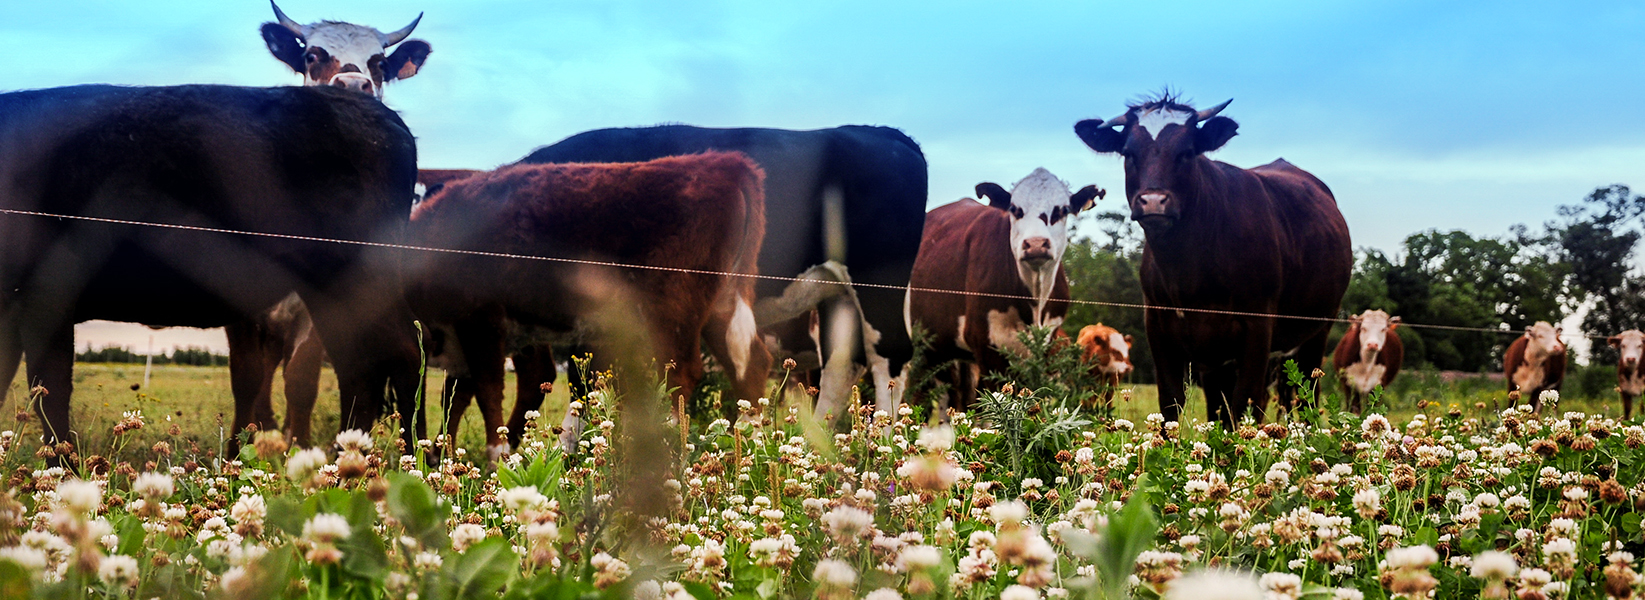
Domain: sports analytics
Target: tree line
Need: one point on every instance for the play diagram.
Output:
(192, 356)
(1582, 259)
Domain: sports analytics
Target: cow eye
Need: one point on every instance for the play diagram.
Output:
(1016, 211)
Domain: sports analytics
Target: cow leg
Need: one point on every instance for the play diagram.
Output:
(457, 395)
(11, 357)
(1627, 406)
(1251, 376)
(1309, 356)
(302, 379)
(841, 334)
(253, 354)
(1170, 369)
(372, 352)
(533, 367)
(482, 342)
(1219, 383)
(51, 365)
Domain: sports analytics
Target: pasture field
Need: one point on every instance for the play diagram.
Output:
(1448, 497)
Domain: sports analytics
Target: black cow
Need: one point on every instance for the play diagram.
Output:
(872, 178)
(317, 161)
(1267, 240)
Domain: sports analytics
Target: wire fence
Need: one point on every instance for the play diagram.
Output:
(619, 265)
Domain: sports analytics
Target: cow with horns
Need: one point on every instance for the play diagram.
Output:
(1244, 249)
(345, 55)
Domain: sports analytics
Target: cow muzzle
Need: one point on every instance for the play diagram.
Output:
(1630, 362)
(1036, 251)
(358, 82)
(1154, 210)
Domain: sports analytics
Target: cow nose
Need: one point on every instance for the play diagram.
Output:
(1153, 203)
(1373, 347)
(1036, 250)
(353, 81)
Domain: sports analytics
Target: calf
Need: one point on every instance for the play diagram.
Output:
(1108, 352)
(1010, 247)
(1368, 356)
(1630, 382)
(687, 226)
(1535, 363)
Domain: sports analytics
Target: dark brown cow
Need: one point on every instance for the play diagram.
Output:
(1535, 363)
(1368, 356)
(1012, 246)
(1267, 240)
(697, 216)
(1630, 380)
(1107, 352)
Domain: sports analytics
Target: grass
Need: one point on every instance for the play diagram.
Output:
(198, 402)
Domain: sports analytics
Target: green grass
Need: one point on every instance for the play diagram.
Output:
(198, 402)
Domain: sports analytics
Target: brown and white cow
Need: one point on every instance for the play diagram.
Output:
(345, 55)
(687, 224)
(1011, 246)
(1108, 354)
(1630, 380)
(1535, 363)
(1368, 356)
(1233, 245)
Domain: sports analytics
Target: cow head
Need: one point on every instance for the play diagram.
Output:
(1630, 345)
(1543, 339)
(1161, 142)
(344, 54)
(1039, 207)
(1105, 349)
(1374, 326)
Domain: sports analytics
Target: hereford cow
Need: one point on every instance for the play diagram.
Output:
(1267, 240)
(1107, 352)
(854, 195)
(1368, 356)
(344, 55)
(315, 162)
(690, 223)
(1630, 380)
(1011, 246)
(1535, 363)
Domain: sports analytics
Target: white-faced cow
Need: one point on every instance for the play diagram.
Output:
(1107, 352)
(854, 195)
(1630, 381)
(688, 225)
(315, 162)
(1535, 363)
(1011, 246)
(1262, 241)
(1368, 356)
(345, 55)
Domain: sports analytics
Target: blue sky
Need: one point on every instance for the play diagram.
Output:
(1418, 115)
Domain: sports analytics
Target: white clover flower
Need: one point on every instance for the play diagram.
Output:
(33, 560)
(1347, 594)
(118, 570)
(1020, 592)
(326, 528)
(427, 559)
(1012, 512)
(249, 509)
(847, 522)
(80, 496)
(302, 465)
(465, 535)
(1493, 565)
(153, 486)
(521, 498)
(836, 573)
(1413, 557)
(883, 594)
(936, 439)
(1281, 585)
(1218, 584)
(354, 439)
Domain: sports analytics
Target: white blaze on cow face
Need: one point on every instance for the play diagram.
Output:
(344, 55)
(1373, 333)
(1039, 207)
(1152, 121)
(1116, 342)
(1630, 346)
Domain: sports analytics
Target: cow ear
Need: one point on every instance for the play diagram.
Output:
(284, 44)
(1099, 138)
(1127, 340)
(1393, 323)
(1212, 134)
(1614, 341)
(996, 195)
(1084, 198)
(406, 60)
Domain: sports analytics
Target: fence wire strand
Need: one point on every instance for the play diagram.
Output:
(618, 265)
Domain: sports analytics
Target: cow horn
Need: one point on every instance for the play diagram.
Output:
(390, 39)
(286, 21)
(1115, 122)
(1206, 114)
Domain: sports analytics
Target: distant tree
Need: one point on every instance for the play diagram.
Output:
(1101, 264)
(1595, 242)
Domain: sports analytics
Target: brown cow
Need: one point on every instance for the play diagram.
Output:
(1368, 356)
(690, 219)
(1267, 240)
(1012, 246)
(1108, 352)
(1535, 363)
(1630, 381)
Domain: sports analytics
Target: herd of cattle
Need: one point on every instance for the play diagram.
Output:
(762, 243)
